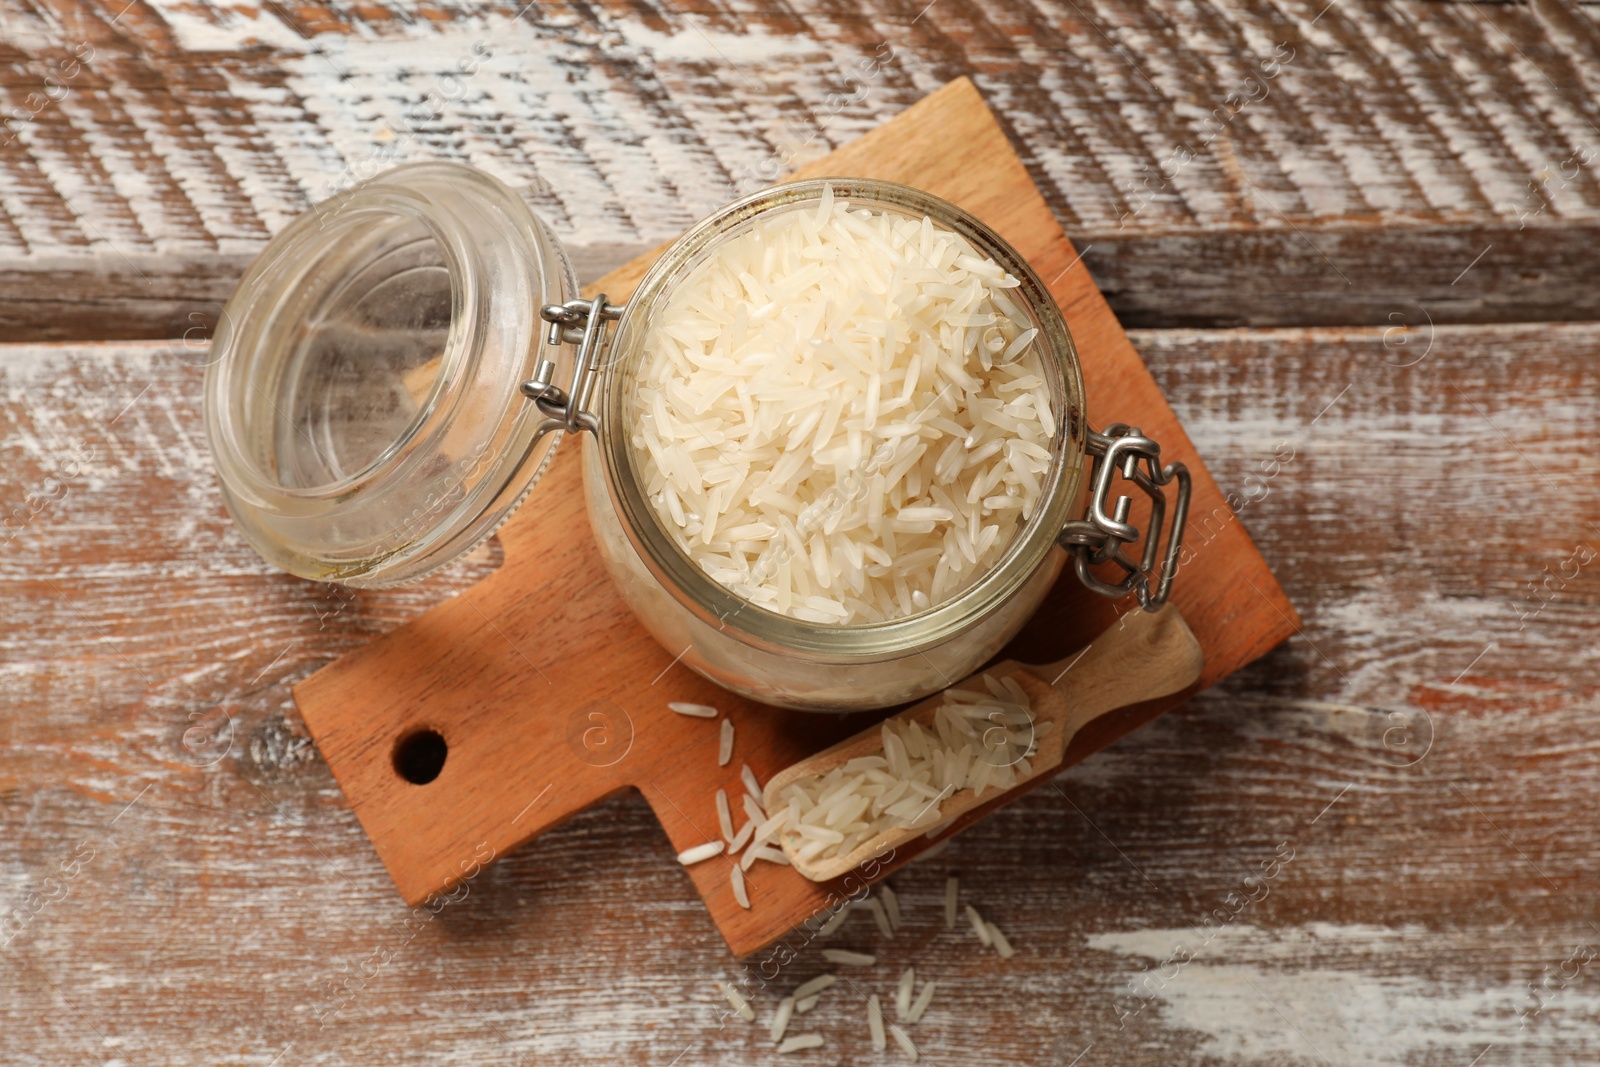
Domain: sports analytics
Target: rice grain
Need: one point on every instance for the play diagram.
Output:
(1001, 945)
(800, 1042)
(920, 1005)
(739, 1003)
(780, 1021)
(891, 904)
(724, 816)
(904, 1042)
(902, 997)
(880, 916)
(700, 852)
(814, 985)
(979, 927)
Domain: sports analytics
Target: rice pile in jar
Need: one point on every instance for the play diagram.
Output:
(840, 414)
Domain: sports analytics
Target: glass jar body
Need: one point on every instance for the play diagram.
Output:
(774, 658)
(779, 676)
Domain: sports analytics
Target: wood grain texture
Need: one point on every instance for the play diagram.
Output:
(235, 914)
(236, 905)
(1238, 162)
(510, 672)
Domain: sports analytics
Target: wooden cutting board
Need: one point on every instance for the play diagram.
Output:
(544, 694)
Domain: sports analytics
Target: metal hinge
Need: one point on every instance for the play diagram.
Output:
(1099, 537)
(572, 323)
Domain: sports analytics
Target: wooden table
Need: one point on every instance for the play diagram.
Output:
(1358, 245)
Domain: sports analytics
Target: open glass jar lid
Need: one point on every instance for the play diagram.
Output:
(363, 406)
(394, 372)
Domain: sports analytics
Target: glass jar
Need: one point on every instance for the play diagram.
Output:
(395, 371)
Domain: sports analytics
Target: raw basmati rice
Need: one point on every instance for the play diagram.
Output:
(904, 1042)
(803, 1006)
(836, 920)
(880, 917)
(724, 816)
(743, 836)
(751, 786)
(978, 739)
(770, 855)
(740, 893)
(846, 958)
(1001, 945)
(924, 998)
(902, 996)
(979, 927)
(815, 985)
(801, 1042)
(694, 711)
(725, 748)
(780, 1021)
(891, 904)
(840, 415)
(700, 852)
(950, 890)
(875, 1022)
(739, 1003)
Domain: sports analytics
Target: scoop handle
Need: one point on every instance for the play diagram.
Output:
(1148, 654)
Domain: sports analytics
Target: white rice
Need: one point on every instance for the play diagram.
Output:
(902, 996)
(739, 1003)
(803, 1006)
(846, 958)
(836, 920)
(841, 415)
(891, 904)
(904, 1042)
(725, 748)
(880, 917)
(694, 711)
(1001, 945)
(724, 816)
(743, 836)
(700, 852)
(924, 998)
(875, 1022)
(815, 985)
(978, 739)
(752, 810)
(736, 879)
(770, 855)
(751, 786)
(979, 927)
(780, 1021)
(950, 890)
(801, 1042)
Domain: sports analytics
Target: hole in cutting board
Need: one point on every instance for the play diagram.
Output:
(419, 756)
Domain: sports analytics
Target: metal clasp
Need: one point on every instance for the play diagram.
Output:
(1098, 537)
(574, 323)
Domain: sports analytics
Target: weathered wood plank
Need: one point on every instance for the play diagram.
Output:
(236, 902)
(1242, 162)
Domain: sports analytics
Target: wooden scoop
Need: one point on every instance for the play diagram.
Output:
(1146, 655)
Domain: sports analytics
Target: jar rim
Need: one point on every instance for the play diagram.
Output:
(721, 607)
